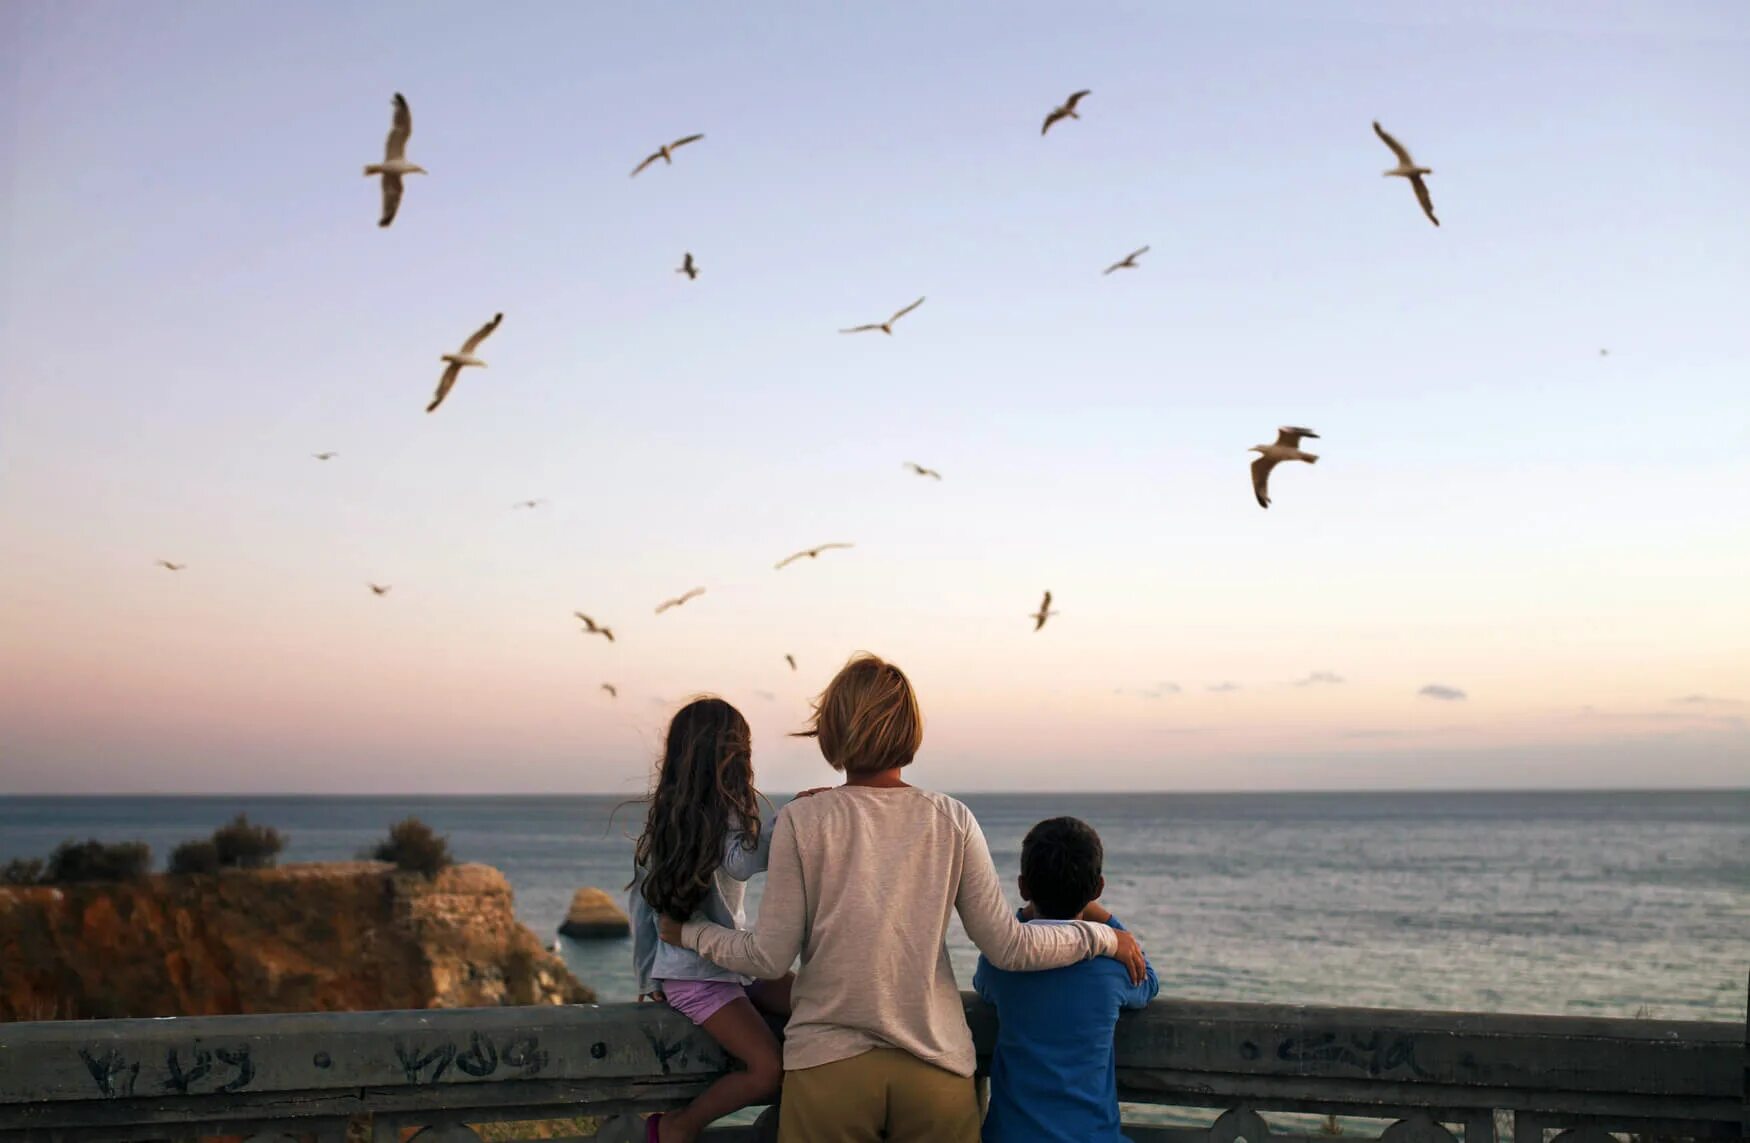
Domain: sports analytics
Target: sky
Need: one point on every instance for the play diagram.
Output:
(1520, 561)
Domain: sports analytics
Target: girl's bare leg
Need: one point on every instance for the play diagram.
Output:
(742, 1031)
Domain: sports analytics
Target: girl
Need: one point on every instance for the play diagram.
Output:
(702, 839)
(863, 881)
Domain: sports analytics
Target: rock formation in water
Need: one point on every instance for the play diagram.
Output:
(300, 938)
(594, 914)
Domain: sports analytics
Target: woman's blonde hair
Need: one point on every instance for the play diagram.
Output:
(867, 720)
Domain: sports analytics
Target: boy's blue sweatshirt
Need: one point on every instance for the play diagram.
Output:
(1053, 1076)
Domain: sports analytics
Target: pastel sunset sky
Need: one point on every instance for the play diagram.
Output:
(1520, 561)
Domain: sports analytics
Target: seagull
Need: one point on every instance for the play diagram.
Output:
(324, 455)
(395, 163)
(1604, 353)
(613, 691)
(381, 588)
(590, 627)
(1067, 111)
(679, 599)
(791, 659)
(922, 471)
(1039, 617)
(885, 327)
(168, 566)
(1128, 262)
(1287, 447)
(665, 153)
(527, 504)
(811, 553)
(689, 267)
(1407, 169)
(465, 356)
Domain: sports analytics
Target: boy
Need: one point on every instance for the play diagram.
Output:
(1053, 1076)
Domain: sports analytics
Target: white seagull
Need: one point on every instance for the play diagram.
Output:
(1128, 262)
(324, 455)
(885, 327)
(1407, 169)
(463, 356)
(689, 267)
(920, 470)
(1039, 617)
(665, 153)
(809, 553)
(380, 588)
(791, 659)
(168, 566)
(1287, 447)
(613, 691)
(395, 163)
(1067, 111)
(679, 599)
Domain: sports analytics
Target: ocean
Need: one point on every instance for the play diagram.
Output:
(1590, 903)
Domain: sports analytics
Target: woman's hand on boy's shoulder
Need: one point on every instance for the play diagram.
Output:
(669, 930)
(1129, 955)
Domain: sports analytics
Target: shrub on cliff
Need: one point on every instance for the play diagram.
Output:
(95, 861)
(199, 856)
(414, 848)
(244, 846)
(22, 871)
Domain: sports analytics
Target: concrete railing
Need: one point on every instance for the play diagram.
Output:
(448, 1075)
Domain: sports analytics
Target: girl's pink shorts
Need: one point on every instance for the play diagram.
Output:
(699, 1000)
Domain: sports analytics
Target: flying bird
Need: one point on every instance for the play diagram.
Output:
(810, 553)
(885, 327)
(791, 659)
(679, 599)
(324, 455)
(922, 471)
(1128, 262)
(1039, 617)
(1287, 447)
(527, 504)
(1407, 169)
(613, 691)
(465, 356)
(591, 627)
(381, 588)
(168, 566)
(1067, 111)
(689, 267)
(665, 153)
(395, 163)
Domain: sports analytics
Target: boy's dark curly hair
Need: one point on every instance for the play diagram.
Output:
(1060, 861)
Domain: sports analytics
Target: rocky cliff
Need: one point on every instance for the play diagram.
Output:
(325, 937)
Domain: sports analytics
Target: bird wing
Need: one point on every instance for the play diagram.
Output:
(400, 129)
(693, 594)
(828, 548)
(1045, 604)
(391, 198)
(1261, 479)
(445, 384)
(587, 621)
(1056, 114)
(645, 163)
(481, 334)
(1396, 147)
(788, 560)
(1423, 197)
(685, 141)
(609, 633)
(905, 311)
(1075, 98)
(687, 263)
(1135, 254)
(1288, 436)
(860, 328)
(609, 687)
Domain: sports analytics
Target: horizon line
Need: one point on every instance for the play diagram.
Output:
(1698, 789)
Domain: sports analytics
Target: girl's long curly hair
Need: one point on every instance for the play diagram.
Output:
(704, 790)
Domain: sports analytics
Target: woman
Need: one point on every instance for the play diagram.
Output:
(861, 882)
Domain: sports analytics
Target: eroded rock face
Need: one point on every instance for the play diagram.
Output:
(594, 913)
(303, 938)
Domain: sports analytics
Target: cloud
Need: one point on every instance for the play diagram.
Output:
(1222, 688)
(1707, 700)
(1442, 692)
(1318, 677)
